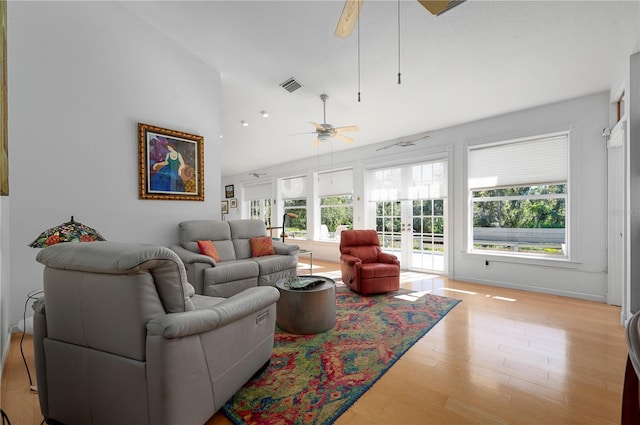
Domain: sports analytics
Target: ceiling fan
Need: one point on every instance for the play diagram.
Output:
(326, 131)
(352, 8)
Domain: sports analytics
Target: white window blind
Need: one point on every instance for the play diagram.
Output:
(294, 188)
(384, 185)
(519, 163)
(335, 183)
(409, 182)
(428, 181)
(257, 191)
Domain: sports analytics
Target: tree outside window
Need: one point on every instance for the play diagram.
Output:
(336, 213)
(526, 219)
(296, 227)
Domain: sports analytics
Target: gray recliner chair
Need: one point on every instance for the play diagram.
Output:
(120, 337)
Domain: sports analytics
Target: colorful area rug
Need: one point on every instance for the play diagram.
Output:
(313, 379)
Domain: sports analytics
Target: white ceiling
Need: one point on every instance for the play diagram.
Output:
(480, 59)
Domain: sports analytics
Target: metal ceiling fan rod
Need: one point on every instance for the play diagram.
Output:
(324, 98)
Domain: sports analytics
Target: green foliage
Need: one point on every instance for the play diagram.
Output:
(336, 211)
(298, 223)
(524, 210)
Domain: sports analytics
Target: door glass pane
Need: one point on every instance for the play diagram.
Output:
(438, 207)
(412, 229)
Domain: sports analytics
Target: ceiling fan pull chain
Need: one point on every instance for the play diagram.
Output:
(358, 23)
(399, 82)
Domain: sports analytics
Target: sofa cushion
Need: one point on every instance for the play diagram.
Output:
(230, 271)
(367, 254)
(261, 246)
(209, 249)
(275, 263)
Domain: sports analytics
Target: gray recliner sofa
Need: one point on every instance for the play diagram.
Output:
(120, 337)
(238, 270)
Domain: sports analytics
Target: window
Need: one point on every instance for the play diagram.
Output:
(336, 213)
(258, 196)
(294, 197)
(388, 222)
(518, 192)
(335, 191)
(296, 225)
(260, 209)
(428, 225)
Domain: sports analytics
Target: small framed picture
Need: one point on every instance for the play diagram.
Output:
(233, 203)
(170, 164)
(225, 207)
(228, 191)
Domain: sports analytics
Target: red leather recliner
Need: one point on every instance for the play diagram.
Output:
(365, 268)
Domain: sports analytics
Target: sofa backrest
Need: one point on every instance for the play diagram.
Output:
(216, 231)
(102, 294)
(362, 244)
(242, 231)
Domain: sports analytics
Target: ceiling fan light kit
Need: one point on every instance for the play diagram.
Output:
(327, 131)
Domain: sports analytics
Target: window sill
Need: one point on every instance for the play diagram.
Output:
(544, 261)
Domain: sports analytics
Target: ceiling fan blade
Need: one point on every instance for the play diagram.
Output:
(437, 7)
(344, 138)
(318, 126)
(315, 142)
(348, 18)
(347, 128)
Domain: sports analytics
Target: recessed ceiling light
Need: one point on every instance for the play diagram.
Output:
(264, 114)
(244, 123)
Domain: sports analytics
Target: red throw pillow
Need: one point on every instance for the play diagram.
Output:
(209, 249)
(262, 246)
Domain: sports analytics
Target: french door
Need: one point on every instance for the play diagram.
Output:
(410, 213)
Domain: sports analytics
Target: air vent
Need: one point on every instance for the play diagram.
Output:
(291, 85)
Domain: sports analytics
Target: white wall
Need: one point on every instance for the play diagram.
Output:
(583, 277)
(81, 76)
(4, 281)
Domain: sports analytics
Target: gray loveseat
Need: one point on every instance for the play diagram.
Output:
(238, 270)
(120, 338)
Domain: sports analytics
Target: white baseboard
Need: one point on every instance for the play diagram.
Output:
(529, 288)
(5, 352)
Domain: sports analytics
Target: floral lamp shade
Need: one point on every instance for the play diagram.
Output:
(71, 231)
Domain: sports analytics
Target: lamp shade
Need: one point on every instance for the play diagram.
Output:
(71, 231)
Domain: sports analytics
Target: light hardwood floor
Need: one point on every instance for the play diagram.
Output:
(501, 356)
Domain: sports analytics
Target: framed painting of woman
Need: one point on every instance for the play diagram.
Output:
(171, 164)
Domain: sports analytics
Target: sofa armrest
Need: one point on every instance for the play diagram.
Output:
(285, 249)
(190, 257)
(247, 302)
(385, 257)
(350, 259)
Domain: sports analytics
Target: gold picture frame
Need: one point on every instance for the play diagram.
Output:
(233, 203)
(171, 164)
